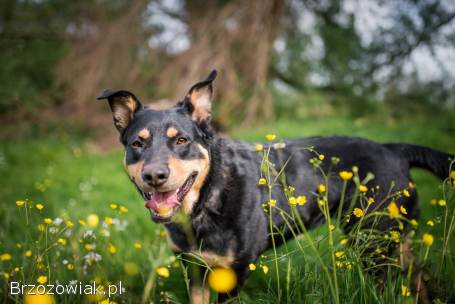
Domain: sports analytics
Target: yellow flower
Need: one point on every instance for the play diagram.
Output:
(339, 264)
(19, 245)
(42, 279)
(95, 297)
(6, 275)
(430, 223)
(331, 227)
(262, 181)
(433, 202)
(70, 266)
(406, 193)
(321, 188)
(61, 241)
(222, 280)
(111, 248)
(358, 212)
(93, 220)
(414, 223)
(16, 269)
(343, 242)
(405, 292)
(39, 206)
(272, 203)
(370, 201)
(270, 137)
(411, 185)
(395, 236)
(339, 254)
(34, 298)
(301, 200)
(137, 245)
(163, 272)
(321, 156)
(403, 210)
(394, 212)
(252, 267)
(258, 147)
(122, 209)
(69, 223)
(20, 203)
(47, 221)
(40, 227)
(82, 222)
(292, 201)
(28, 253)
(442, 203)
(265, 269)
(400, 226)
(345, 175)
(131, 268)
(348, 265)
(5, 257)
(363, 188)
(108, 220)
(427, 239)
(89, 247)
(452, 174)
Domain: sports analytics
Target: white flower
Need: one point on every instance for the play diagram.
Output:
(65, 262)
(89, 233)
(91, 257)
(105, 233)
(53, 230)
(73, 282)
(58, 221)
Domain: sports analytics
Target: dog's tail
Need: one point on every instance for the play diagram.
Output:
(422, 157)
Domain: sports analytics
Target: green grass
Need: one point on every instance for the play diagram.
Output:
(71, 182)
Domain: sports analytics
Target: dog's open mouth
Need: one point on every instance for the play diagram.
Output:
(164, 205)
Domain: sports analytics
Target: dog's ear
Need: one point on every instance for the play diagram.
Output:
(199, 99)
(123, 106)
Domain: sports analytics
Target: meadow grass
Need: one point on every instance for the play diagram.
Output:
(71, 182)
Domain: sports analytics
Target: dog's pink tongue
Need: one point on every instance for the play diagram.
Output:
(162, 199)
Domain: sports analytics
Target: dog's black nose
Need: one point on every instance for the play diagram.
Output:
(156, 175)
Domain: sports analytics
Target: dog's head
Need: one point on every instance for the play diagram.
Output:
(166, 152)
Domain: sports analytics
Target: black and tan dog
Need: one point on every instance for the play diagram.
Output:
(180, 166)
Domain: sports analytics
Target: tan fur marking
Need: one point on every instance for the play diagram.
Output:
(200, 99)
(172, 132)
(130, 104)
(181, 169)
(213, 259)
(123, 111)
(408, 263)
(135, 173)
(144, 134)
(200, 295)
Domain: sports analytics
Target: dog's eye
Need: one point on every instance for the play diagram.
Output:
(181, 140)
(137, 144)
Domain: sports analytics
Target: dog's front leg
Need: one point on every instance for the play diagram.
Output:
(199, 294)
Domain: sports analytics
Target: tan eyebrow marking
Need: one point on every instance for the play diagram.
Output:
(144, 133)
(172, 132)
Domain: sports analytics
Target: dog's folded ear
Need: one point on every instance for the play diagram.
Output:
(123, 106)
(199, 98)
